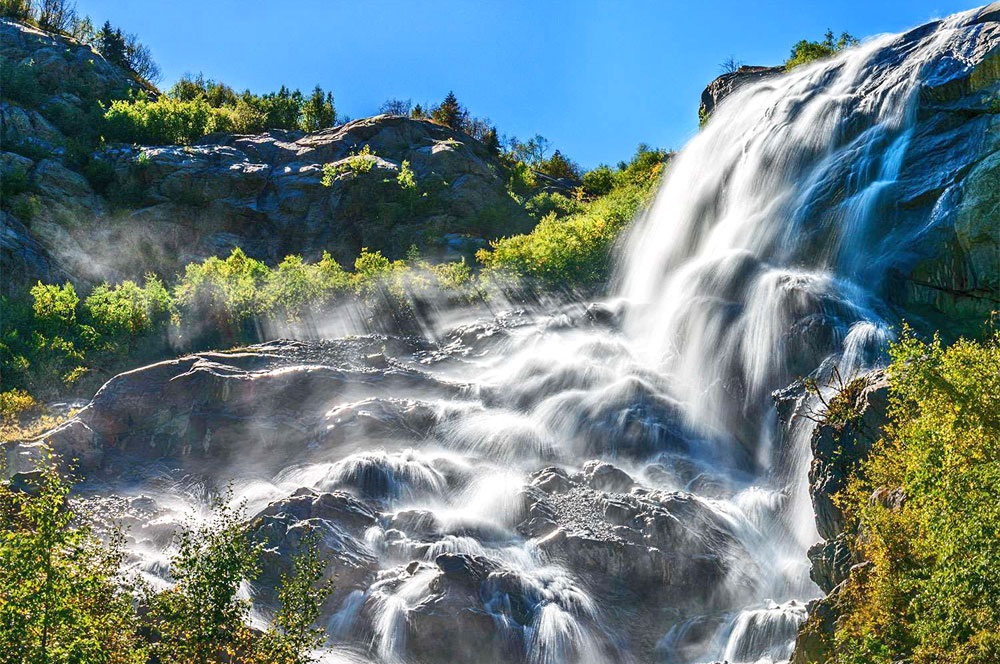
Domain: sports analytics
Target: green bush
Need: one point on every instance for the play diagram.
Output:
(932, 590)
(546, 203)
(66, 600)
(575, 251)
(599, 181)
(295, 288)
(165, 121)
(225, 294)
(806, 51)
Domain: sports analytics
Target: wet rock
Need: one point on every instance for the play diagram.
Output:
(336, 521)
(552, 480)
(831, 561)
(840, 446)
(380, 419)
(603, 476)
(654, 544)
(209, 405)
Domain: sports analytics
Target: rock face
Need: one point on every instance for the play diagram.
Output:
(162, 207)
(266, 193)
(204, 407)
(942, 208)
(724, 85)
(839, 445)
(336, 521)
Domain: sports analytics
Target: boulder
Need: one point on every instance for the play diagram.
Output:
(664, 546)
(335, 521)
(840, 446)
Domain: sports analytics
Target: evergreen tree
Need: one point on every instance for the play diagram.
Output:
(111, 44)
(318, 111)
(558, 166)
(491, 140)
(450, 113)
(418, 112)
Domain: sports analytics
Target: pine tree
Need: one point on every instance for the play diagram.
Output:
(491, 140)
(450, 113)
(111, 44)
(318, 111)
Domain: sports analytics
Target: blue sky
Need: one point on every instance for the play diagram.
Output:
(595, 78)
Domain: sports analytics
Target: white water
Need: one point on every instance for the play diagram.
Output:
(760, 261)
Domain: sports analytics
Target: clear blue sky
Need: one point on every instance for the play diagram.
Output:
(594, 77)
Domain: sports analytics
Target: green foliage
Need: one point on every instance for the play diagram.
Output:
(15, 403)
(61, 596)
(55, 306)
(925, 506)
(358, 163)
(18, 10)
(558, 166)
(128, 310)
(450, 113)
(19, 82)
(301, 595)
(544, 204)
(166, 121)
(202, 618)
(226, 294)
(296, 289)
(318, 111)
(575, 251)
(806, 51)
(599, 181)
(63, 599)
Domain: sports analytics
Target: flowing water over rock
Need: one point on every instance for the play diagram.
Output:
(603, 483)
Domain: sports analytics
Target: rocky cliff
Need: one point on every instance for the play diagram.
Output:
(949, 174)
(125, 210)
(725, 85)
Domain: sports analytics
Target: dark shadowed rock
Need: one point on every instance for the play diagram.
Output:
(839, 447)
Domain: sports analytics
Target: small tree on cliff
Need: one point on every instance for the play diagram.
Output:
(450, 113)
(111, 44)
(318, 112)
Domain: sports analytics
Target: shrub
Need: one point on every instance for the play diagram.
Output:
(225, 294)
(599, 181)
(296, 288)
(575, 251)
(15, 403)
(165, 121)
(18, 10)
(558, 166)
(931, 593)
(128, 310)
(544, 204)
(806, 51)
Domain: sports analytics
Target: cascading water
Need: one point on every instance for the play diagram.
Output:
(489, 525)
